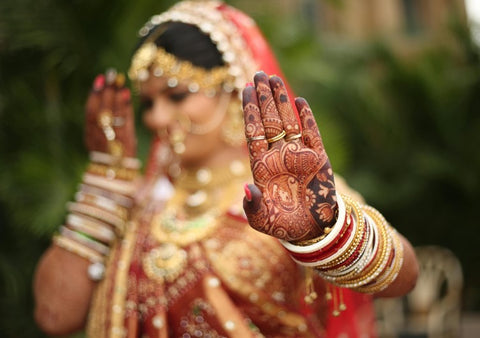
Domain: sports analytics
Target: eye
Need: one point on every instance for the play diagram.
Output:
(178, 96)
(145, 104)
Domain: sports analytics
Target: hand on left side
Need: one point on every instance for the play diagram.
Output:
(293, 197)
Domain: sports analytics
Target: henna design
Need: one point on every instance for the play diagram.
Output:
(285, 111)
(295, 179)
(272, 123)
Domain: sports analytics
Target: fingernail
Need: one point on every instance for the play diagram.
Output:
(248, 193)
(126, 95)
(249, 84)
(99, 82)
(272, 75)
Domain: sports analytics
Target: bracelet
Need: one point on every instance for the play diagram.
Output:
(123, 201)
(346, 250)
(103, 203)
(104, 158)
(102, 215)
(112, 172)
(372, 273)
(342, 238)
(391, 274)
(91, 227)
(315, 258)
(78, 249)
(85, 241)
(121, 187)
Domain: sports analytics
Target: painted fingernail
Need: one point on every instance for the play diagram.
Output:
(248, 193)
(249, 84)
(272, 75)
(99, 82)
(126, 95)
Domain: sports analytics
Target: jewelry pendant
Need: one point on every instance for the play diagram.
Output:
(165, 262)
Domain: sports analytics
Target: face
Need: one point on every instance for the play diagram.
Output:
(194, 117)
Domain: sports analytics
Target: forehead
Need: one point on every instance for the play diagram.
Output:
(156, 85)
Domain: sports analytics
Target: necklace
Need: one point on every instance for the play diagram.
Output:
(201, 197)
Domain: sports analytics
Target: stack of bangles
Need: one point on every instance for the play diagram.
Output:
(361, 252)
(99, 214)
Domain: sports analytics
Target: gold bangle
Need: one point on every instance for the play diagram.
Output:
(84, 240)
(123, 201)
(390, 274)
(277, 137)
(377, 266)
(352, 207)
(91, 227)
(102, 215)
(104, 158)
(120, 187)
(78, 249)
(112, 172)
(102, 203)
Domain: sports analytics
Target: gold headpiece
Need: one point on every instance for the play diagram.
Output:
(239, 63)
(165, 64)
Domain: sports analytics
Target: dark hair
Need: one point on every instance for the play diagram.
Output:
(188, 43)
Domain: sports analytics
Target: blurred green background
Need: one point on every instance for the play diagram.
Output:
(398, 109)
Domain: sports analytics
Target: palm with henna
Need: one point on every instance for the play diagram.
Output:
(293, 197)
(109, 119)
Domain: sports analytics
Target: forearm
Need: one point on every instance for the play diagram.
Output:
(69, 270)
(62, 291)
(407, 276)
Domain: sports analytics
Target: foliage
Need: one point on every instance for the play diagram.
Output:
(403, 131)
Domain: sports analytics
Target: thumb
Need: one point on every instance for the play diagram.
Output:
(255, 208)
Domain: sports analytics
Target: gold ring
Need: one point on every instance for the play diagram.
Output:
(256, 138)
(293, 137)
(277, 137)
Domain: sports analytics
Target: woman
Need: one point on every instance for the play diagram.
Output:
(180, 258)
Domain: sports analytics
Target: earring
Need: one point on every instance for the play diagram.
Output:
(233, 128)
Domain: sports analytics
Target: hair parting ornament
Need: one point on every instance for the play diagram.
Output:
(208, 17)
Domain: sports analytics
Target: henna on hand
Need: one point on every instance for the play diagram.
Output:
(109, 94)
(294, 193)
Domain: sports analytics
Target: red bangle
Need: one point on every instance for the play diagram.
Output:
(330, 249)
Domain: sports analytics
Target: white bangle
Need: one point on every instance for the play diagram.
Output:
(104, 158)
(337, 227)
(123, 188)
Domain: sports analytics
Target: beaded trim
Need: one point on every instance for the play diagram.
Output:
(240, 65)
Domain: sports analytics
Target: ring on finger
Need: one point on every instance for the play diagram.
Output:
(118, 121)
(277, 137)
(293, 137)
(256, 138)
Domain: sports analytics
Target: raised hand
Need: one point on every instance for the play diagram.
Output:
(294, 193)
(109, 117)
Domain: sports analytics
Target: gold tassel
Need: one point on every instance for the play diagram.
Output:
(310, 294)
(335, 294)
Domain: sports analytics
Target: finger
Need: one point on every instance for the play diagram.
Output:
(284, 107)
(93, 140)
(311, 135)
(272, 123)
(93, 101)
(254, 132)
(123, 121)
(255, 208)
(108, 98)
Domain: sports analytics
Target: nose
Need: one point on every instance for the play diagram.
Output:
(160, 115)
